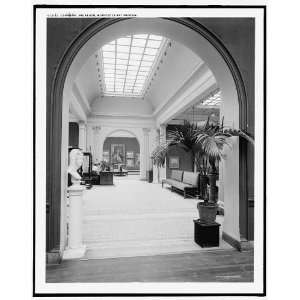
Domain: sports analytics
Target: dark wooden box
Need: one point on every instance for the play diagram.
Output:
(106, 178)
(206, 234)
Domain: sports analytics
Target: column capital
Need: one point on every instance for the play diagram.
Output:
(96, 128)
(146, 131)
(82, 124)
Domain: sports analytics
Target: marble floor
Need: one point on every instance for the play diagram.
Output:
(136, 218)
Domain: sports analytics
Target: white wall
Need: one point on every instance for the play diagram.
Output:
(121, 106)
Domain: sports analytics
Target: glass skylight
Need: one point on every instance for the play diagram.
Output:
(213, 99)
(127, 63)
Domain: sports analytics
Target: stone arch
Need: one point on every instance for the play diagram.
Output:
(71, 59)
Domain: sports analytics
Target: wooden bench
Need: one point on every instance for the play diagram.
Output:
(185, 181)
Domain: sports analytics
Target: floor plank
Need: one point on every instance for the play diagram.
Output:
(210, 266)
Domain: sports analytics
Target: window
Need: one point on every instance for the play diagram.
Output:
(127, 63)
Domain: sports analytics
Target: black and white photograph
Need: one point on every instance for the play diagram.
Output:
(150, 150)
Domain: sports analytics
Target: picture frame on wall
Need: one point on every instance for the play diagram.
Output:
(174, 162)
(118, 153)
(129, 154)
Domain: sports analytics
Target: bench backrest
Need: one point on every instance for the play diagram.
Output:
(176, 175)
(190, 178)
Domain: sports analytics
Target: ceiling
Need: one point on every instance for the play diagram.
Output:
(126, 64)
(173, 64)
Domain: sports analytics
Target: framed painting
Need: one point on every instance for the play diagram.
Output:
(117, 153)
(174, 162)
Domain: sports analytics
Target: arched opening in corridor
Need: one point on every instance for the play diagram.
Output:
(121, 151)
(215, 68)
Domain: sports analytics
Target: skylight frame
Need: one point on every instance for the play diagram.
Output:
(134, 72)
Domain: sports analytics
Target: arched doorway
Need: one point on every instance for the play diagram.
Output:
(187, 32)
(127, 144)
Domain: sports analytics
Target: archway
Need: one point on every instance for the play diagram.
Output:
(129, 142)
(185, 31)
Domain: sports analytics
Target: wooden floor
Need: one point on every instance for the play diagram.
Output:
(207, 266)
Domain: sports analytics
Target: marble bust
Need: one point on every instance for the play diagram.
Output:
(76, 160)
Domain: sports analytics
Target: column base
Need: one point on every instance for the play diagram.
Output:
(72, 253)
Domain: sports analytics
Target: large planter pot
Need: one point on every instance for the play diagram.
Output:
(203, 182)
(213, 189)
(207, 212)
(149, 176)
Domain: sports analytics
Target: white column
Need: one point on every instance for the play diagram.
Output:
(146, 149)
(75, 248)
(89, 138)
(163, 139)
(155, 169)
(82, 135)
(96, 150)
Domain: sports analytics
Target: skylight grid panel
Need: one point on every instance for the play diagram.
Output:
(142, 73)
(146, 64)
(141, 36)
(124, 41)
(120, 72)
(144, 69)
(135, 56)
(155, 37)
(151, 51)
(124, 49)
(138, 42)
(131, 73)
(109, 67)
(121, 55)
(108, 54)
(133, 62)
(121, 61)
(109, 71)
(121, 67)
(137, 50)
(108, 47)
(153, 44)
(148, 57)
(108, 60)
(133, 67)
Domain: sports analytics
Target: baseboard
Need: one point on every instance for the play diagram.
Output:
(238, 245)
(232, 241)
(53, 257)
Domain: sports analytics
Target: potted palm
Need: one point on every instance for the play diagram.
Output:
(185, 137)
(158, 156)
(213, 139)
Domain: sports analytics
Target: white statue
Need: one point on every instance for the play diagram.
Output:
(76, 161)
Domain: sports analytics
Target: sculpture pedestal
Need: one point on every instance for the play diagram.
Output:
(75, 248)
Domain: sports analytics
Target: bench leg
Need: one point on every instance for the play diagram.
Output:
(162, 184)
(184, 193)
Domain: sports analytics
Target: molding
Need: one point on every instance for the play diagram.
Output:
(81, 98)
(187, 98)
(76, 109)
(117, 115)
(121, 122)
